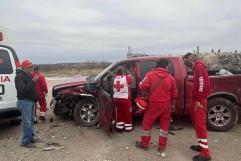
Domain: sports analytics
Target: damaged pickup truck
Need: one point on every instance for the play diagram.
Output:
(89, 99)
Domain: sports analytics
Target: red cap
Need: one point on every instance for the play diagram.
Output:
(26, 64)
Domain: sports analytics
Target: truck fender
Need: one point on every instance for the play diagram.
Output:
(227, 95)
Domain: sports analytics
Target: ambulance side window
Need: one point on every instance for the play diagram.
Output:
(5, 63)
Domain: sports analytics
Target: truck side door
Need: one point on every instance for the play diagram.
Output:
(106, 104)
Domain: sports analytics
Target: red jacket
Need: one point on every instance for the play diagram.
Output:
(201, 84)
(41, 84)
(165, 91)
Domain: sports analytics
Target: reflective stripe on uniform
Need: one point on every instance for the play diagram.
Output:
(128, 126)
(201, 84)
(119, 123)
(146, 133)
(120, 126)
(163, 133)
(203, 146)
(204, 140)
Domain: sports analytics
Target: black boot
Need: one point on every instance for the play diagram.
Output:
(139, 145)
(200, 158)
(42, 118)
(196, 148)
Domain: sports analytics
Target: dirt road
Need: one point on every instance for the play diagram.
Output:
(92, 144)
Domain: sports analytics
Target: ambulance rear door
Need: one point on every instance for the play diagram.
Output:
(8, 92)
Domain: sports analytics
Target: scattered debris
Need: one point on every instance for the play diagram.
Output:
(162, 154)
(228, 61)
(56, 125)
(224, 72)
(51, 120)
(154, 143)
(53, 143)
(52, 146)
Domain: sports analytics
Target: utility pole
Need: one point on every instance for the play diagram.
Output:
(129, 53)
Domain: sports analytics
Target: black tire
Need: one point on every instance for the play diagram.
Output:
(222, 114)
(86, 113)
(16, 121)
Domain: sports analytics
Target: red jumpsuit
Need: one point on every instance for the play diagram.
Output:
(122, 99)
(200, 91)
(42, 90)
(159, 104)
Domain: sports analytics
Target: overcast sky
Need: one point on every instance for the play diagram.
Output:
(50, 31)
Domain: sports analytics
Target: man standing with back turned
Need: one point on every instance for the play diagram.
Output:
(42, 91)
(27, 97)
(162, 90)
(198, 109)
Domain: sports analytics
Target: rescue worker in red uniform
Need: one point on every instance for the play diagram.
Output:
(42, 91)
(163, 92)
(122, 99)
(198, 109)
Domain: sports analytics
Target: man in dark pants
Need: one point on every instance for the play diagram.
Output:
(27, 97)
(198, 109)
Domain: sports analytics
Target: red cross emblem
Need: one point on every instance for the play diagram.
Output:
(118, 86)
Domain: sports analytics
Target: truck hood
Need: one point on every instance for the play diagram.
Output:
(75, 81)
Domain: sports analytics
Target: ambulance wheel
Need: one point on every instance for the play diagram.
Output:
(86, 113)
(221, 114)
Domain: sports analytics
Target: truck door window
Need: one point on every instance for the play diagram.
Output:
(170, 67)
(107, 83)
(146, 66)
(5, 63)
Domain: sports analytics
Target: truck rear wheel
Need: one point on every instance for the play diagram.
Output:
(221, 114)
(86, 113)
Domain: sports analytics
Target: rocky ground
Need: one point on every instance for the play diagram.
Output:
(75, 143)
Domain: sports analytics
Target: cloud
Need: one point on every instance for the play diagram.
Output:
(78, 30)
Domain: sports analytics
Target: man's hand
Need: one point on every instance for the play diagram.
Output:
(173, 108)
(198, 104)
(35, 78)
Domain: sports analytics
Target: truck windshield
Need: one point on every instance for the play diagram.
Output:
(104, 71)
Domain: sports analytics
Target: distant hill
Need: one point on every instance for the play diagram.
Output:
(68, 69)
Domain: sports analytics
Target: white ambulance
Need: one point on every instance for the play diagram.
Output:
(8, 94)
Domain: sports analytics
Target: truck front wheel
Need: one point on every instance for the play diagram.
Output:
(221, 114)
(86, 113)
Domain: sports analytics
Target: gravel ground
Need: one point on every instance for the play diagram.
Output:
(92, 144)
